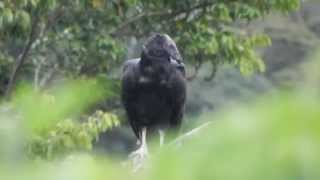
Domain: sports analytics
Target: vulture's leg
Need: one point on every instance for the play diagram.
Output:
(144, 147)
(161, 134)
(140, 154)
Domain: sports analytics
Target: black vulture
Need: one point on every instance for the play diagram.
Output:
(154, 89)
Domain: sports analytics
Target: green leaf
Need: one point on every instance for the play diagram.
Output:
(34, 3)
(24, 19)
(7, 16)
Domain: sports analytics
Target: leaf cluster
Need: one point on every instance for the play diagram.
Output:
(70, 136)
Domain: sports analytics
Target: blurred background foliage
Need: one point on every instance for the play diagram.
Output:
(253, 74)
(43, 39)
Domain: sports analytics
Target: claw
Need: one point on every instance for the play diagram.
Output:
(139, 156)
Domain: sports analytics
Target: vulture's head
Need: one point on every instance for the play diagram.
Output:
(160, 56)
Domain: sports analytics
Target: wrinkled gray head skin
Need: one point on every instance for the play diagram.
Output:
(161, 45)
(160, 57)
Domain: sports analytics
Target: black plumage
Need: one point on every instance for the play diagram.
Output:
(154, 87)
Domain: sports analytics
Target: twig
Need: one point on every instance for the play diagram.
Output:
(178, 141)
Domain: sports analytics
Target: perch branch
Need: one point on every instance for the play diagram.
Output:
(178, 141)
(136, 166)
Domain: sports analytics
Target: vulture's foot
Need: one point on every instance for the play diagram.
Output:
(139, 157)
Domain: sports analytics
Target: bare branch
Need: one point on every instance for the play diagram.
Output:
(178, 141)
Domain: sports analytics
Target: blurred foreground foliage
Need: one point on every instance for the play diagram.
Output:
(71, 136)
(53, 123)
(43, 109)
(276, 137)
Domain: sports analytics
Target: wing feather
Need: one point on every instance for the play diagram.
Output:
(129, 87)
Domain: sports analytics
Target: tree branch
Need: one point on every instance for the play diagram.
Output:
(214, 65)
(136, 19)
(53, 19)
(47, 77)
(173, 14)
(138, 165)
(36, 76)
(22, 57)
(33, 36)
(178, 141)
(196, 67)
